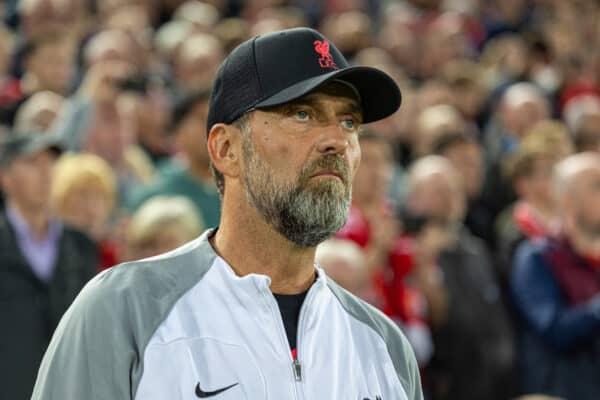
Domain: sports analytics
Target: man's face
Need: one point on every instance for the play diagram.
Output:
(52, 64)
(299, 161)
(27, 180)
(587, 212)
(439, 196)
(468, 161)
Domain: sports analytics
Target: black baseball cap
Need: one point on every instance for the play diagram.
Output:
(19, 145)
(279, 67)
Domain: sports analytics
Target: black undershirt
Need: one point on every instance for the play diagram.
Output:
(289, 307)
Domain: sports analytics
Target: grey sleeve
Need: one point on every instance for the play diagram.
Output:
(401, 353)
(93, 353)
(97, 351)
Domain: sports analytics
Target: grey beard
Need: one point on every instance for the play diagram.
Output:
(305, 215)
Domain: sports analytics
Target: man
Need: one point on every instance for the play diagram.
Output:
(556, 288)
(470, 327)
(466, 155)
(189, 175)
(520, 107)
(43, 264)
(242, 312)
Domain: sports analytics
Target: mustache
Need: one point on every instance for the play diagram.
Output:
(330, 162)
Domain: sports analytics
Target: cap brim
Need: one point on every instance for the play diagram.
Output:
(380, 96)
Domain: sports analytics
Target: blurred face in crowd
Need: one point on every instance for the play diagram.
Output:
(348, 273)
(38, 17)
(536, 188)
(520, 116)
(87, 207)
(168, 238)
(583, 213)
(151, 119)
(468, 98)
(468, 160)
(190, 134)
(112, 46)
(27, 180)
(197, 61)
(298, 163)
(587, 137)
(373, 178)
(52, 65)
(437, 193)
(108, 139)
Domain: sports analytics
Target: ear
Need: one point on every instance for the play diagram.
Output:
(224, 148)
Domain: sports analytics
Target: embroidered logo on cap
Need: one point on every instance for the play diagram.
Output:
(326, 60)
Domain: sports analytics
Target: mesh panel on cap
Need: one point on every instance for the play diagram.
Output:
(240, 87)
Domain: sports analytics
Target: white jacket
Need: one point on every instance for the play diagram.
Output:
(183, 326)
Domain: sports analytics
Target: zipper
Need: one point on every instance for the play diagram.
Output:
(297, 370)
(272, 303)
(297, 364)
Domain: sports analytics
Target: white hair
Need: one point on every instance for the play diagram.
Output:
(200, 45)
(521, 93)
(197, 12)
(340, 249)
(160, 211)
(566, 172)
(425, 167)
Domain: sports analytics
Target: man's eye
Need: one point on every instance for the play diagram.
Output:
(349, 123)
(301, 115)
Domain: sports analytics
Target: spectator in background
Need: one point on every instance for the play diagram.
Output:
(345, 263)
(582, 116)
(473, 353)
(587, 136)
(43, 264)
(465, 79)
(162, 224)
(521, 106)
(372, 224)
(189, 174)
(83, 195)
(48, 63)
(97, 119)
(556, 289)
(533, 215)
(466, 155)
(195, 63)
(37, 18)
(432, 123)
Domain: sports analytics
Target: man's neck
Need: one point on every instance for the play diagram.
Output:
(37, 220)
(250, 245)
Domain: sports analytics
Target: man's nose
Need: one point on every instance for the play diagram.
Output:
(333, 139)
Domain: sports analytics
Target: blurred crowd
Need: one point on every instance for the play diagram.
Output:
(475, 222)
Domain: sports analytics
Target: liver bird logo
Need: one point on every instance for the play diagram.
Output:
(325, 59)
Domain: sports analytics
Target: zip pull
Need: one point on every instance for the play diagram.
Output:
(297, 370)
